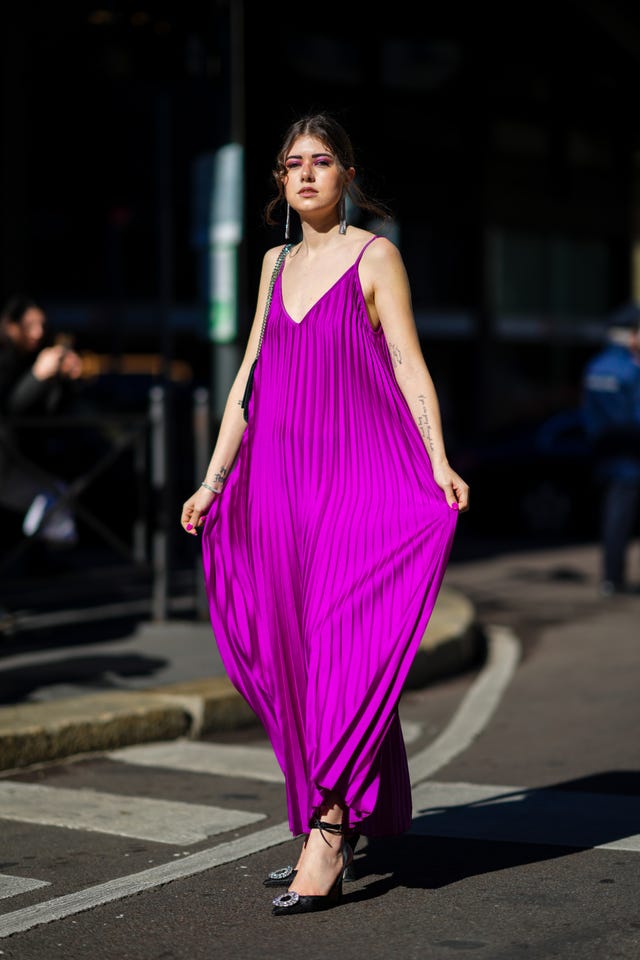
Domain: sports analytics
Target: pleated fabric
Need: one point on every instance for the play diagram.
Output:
(323, 558)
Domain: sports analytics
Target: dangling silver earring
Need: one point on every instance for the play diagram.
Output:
(287, 223)
(343, 214)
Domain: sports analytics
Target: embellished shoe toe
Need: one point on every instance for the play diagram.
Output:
(292, 902)
(281, 877)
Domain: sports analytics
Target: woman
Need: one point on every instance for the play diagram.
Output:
(328, 519)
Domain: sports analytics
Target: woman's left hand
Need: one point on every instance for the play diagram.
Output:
(455, 489)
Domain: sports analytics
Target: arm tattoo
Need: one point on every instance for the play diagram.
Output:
(396, 356)
(423, 422)
(220, 476)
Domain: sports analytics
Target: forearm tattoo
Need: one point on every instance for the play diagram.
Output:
(396, 356)
(220, 476)
(423, 422)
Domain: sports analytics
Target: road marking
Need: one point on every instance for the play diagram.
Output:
(20, 920)
(476, 709)
(526, 815)
(411, 730)
(256, 763)
(253, 763)
(162, 821)
(12, 886)
(474, 712)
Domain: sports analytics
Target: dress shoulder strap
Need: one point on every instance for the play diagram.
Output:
(359, 257)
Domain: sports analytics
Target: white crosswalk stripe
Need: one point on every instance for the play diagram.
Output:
(250, 762)
(127, 886)
(254, 763)
(12, 886)
(145, 818)
(520, 815)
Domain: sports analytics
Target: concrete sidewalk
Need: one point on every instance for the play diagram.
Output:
(37, 732)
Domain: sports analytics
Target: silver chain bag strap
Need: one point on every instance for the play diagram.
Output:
(244, 403)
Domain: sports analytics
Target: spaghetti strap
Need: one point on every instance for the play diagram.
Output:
(364, 247)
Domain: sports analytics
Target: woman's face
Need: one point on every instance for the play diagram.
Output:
(314, 181)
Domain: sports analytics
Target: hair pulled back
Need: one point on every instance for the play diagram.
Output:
(335, 138)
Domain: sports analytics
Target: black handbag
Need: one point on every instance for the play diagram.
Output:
(249, 385)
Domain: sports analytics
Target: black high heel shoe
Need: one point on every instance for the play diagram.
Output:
(349, 873)
(293, 902)
(283, 876)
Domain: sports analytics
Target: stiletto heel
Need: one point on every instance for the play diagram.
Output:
(293, 902)
(349, 873)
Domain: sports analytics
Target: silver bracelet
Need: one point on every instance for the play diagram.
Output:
(206, 485)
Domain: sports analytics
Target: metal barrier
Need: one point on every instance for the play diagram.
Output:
(125, 433)
(148, 439)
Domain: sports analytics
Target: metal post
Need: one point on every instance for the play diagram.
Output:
(141, 522)
(225, 237)
(202, 441)
(159, 539)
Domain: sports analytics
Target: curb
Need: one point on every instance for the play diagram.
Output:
(34, 733)
(452, 642)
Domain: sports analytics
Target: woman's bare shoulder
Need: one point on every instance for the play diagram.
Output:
(380, 257)
(271, 255)
(383, 249)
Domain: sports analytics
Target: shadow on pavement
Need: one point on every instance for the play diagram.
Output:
(93, 672)
(500, 831)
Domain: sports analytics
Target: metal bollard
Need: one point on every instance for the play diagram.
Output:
(141, 522)
(159, 537)
(202, 455)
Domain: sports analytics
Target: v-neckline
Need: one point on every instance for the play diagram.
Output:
(326, 293)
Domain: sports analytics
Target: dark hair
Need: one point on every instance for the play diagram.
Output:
(333, 135)
(625, 317)
(16, 307)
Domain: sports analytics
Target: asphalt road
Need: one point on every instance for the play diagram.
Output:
(526, 833)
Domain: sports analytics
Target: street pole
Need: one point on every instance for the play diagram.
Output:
(225, 235)
(226, 227)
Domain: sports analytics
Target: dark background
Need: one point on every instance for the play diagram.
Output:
(504, 138)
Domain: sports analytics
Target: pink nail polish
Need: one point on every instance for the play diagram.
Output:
(189, 526)
(454, 506)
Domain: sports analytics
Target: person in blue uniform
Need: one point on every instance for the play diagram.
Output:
(611, 407)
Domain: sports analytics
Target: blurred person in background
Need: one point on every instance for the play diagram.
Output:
(35, 379)
(611, 405)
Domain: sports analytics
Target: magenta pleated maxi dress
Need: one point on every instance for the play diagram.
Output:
(323, 558)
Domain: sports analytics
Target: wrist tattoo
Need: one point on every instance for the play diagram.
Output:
(220, 476)
(396, 356)
(423, 423)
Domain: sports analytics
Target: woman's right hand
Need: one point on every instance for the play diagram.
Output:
(195, 509)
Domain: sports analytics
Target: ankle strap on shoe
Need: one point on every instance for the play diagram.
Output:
(322, 825)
